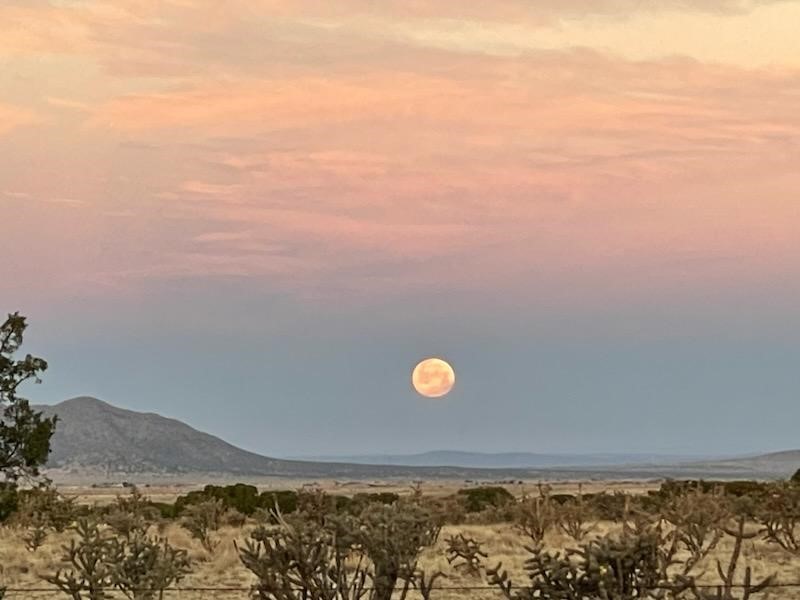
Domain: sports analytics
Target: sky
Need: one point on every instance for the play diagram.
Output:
(257, 216)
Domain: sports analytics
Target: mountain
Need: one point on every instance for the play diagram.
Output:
(94, 434)
(506, 460)
(94, 439)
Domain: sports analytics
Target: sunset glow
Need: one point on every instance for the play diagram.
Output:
(516, 184)
(503, 137)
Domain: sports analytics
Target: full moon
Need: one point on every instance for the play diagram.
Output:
(433, 378)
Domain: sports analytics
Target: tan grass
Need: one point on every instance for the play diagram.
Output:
(221, 568)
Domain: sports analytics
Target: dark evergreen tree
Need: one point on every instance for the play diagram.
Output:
(24, 433)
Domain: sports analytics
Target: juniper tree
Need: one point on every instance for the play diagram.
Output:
(24, 433)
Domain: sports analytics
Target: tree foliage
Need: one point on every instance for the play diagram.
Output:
(24, 433)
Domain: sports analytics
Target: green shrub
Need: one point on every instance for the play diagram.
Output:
(193, 497)
(478, 499)
(203, 518)
(240, 497)
(342, 504)
(562, 498)
(651, 503)
(285, 500)
(165, 509)
(247, 500)
(448, 509)
(379, 497)
(9, 500)
(753, 489)
(606, 507)
(737, 489)
(362, 500)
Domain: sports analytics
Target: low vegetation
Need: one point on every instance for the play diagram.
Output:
(687, 540)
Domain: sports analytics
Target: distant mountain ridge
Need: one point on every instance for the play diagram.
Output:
(102, 440)
(99, 438)
(92, 433)
(508, 460)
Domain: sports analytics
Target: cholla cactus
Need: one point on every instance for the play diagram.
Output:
(697, 519)
(465, 554)
(141, 567)
(625, 568)
(145, 566)
(730, 587)
(780, 517)
(575, 518)
(131, 515)
(342, 557)
(89, 576)
(293, 561)
(392, 538)
(536, 515)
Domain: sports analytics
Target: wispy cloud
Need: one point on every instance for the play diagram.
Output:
(13, 194)
(72, 202)
(12, 117)
(212, 237)
(210, 189)
(70, 104)
(359, 144)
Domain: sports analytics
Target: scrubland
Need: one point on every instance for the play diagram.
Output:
(677, 541)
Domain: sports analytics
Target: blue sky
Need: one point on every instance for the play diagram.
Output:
(258, 217)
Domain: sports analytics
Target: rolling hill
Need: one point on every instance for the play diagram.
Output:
(506, 460)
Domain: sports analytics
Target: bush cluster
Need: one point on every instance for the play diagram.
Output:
(247, 500)
(482, 498)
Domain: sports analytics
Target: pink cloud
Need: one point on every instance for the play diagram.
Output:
(227, 106)
(353, 161)
(12, 117)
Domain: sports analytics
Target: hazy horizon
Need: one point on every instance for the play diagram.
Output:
(258, 217)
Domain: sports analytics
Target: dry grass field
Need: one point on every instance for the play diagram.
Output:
(22, 570)
(165, 492)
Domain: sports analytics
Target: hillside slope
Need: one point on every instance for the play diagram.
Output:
(93, 433)
(97, 438)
